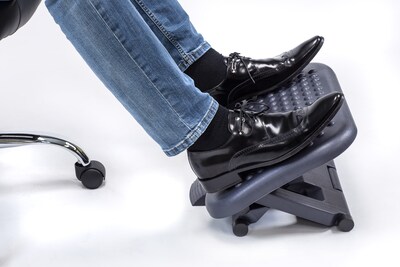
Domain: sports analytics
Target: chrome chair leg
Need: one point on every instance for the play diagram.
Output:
(13, 15)
(21, 139)
(90, 173)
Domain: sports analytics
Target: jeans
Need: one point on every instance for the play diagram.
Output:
(139, 50)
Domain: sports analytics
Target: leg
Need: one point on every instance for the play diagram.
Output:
(228, 80)
(123, 52)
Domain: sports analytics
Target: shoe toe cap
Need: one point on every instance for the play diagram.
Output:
(324, 109)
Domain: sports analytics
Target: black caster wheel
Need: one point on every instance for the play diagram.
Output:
(92, 175)
(240, 227)
(345, 223)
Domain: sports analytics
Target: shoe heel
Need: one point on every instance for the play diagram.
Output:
(221, 182)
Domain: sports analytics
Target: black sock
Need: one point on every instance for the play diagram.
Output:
(208, 71)
(216, 134)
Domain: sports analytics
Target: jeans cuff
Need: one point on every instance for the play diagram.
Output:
(194, 55)
(196, 132)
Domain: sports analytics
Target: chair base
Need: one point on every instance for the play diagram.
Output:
(90, 173)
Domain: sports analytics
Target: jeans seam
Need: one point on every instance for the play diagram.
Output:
(166, 33)
(194, 55)
(116, 37)
(196, 132)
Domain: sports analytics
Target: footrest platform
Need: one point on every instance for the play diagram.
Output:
(307, 184)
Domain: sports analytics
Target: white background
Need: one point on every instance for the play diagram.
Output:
(142, 217)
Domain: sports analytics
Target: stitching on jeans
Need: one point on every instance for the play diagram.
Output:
(166, 33)
(116, 37)
(195, 131)
(194, 55)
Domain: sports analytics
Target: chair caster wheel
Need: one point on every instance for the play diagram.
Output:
(92, 175)
(345, 223)
(240, 227)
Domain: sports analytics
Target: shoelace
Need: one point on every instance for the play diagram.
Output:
(246, 111)
(234, 58)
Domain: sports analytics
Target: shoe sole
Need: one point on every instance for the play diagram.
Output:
(232, 178)
(262, 78)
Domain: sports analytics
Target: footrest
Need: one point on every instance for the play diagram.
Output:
(285, 178)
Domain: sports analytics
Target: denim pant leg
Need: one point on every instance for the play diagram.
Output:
(121, 49)
(172, 26)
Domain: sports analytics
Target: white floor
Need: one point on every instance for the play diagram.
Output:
(142, 217)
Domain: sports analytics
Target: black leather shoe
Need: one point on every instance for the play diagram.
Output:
(248, 77)
(261, 139)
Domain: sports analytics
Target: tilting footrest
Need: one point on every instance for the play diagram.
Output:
(305, 185)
